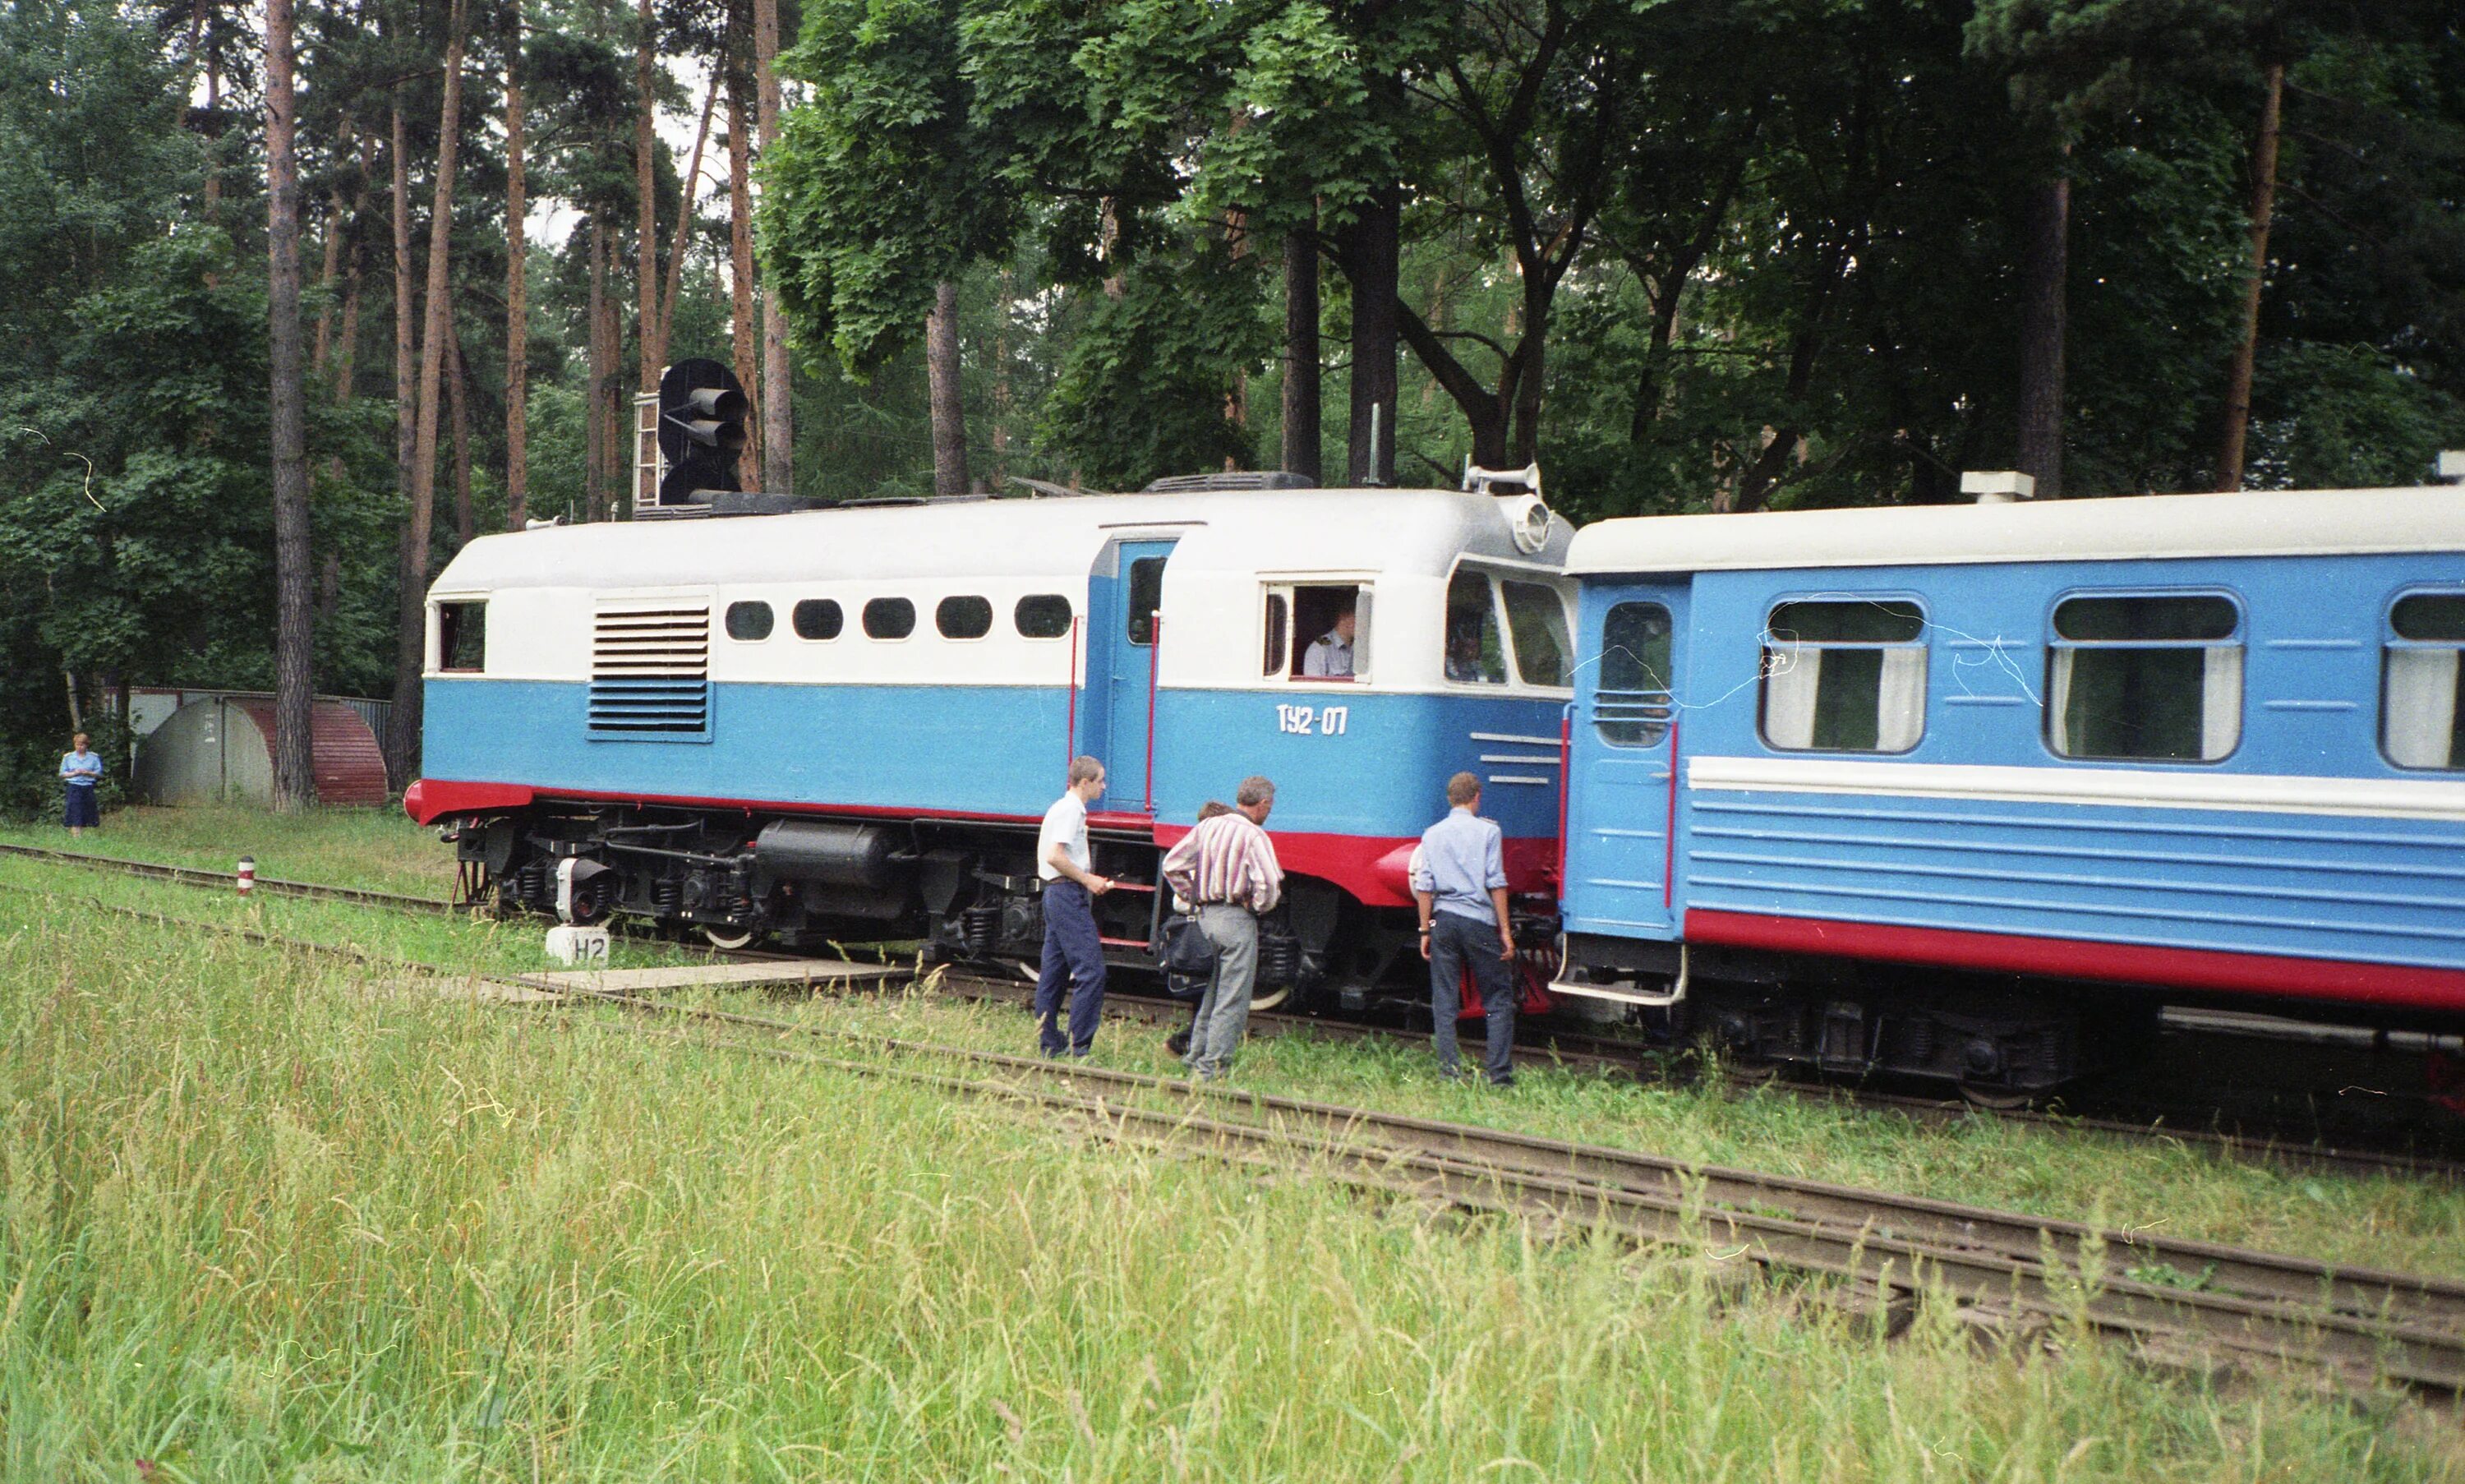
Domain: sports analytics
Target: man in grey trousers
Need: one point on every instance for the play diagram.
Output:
(1227, 870)
(1459, 882)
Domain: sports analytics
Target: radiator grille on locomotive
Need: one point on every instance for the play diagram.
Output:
(650, 671)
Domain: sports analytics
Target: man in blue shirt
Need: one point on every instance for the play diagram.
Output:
(79, 771)
(1459, 882)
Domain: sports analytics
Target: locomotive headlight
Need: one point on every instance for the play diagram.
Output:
(1528, 519)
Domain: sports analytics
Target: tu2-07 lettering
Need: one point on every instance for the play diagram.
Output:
(1313, 721)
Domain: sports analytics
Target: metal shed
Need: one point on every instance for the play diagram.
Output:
(218, 748)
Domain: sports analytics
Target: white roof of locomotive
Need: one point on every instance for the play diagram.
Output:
(1296, 531)
(2143, 527)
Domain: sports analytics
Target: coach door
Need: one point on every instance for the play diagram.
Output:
(1122, 639)
(1622, 788)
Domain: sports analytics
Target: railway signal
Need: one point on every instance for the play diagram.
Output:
(700, 432)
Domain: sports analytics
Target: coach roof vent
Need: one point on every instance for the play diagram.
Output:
(1230, 479)
(1997, 486)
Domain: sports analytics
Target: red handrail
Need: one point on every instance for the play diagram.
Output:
(1669, 856)
(1070, 734)
(1155, 647)
(1566, 758)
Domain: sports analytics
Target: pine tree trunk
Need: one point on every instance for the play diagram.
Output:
(646, 218)
(778, 413)
(948, 405)
(2045, 263)
(412, 609)
(337, 227)
(1301, 430)
(1000, 431)
(2263, 207)
(347, 335)
(518, 326)
(1373, 262)
(294, 778)
(740, 257)
(457, 401)
(594, 426)
(684, 227)
(406, 398)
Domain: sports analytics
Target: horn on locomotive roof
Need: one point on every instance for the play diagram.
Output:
(1527, 515)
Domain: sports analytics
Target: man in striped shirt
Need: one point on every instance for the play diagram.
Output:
(1227, 870)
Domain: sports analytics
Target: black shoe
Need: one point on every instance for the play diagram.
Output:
(1178, 1043)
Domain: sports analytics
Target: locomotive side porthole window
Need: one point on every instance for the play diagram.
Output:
(1535, 618)
(1279, 623)
(1145, 595)
(1633, 705)
(889, 618)
(463, 636)
(1844, 676)
(963, 618)
(1475, 654)
(2421, 724)
(2153, 676)
(748, 621)
(1041, 615)
(817, 618)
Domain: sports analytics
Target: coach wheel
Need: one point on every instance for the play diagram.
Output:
(1270, 998)
(1995, 1100)
(728, 939)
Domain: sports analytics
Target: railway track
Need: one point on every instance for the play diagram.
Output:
(2011, 1272)
(1550, 1047)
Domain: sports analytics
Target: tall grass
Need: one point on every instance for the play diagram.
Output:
(260, 1225)
(373, 849)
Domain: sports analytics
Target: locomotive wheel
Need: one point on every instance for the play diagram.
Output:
(729, 939)
(1270, 998)
(1995, 1100)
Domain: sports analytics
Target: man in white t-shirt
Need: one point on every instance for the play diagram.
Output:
(1072, 950)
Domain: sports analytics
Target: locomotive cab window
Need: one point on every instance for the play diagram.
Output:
(817, 618)
(1844, 676)
(1279, 625)
(1632, 706)
(964, 618)
(1041, 615)
(1475, 654)
(748, 621)
(889, 618)
(463, 636)
(1326, 639)
(1535, 618)
(2155, 676)
(2421, 724)
(1143, 595)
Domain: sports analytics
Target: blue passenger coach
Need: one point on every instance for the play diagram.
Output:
(2071, 758)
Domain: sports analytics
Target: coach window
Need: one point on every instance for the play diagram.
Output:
(2154, 676)
(1844, 676)
(1474, 653)
(748, 621)
(963, 618)
(889, 618)
(1041, 615)
(817, 618)
(2421, 724)
(463, 636)
(1536, 617)
(1632, 706)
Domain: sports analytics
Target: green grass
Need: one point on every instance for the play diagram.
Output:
(257, 1222)
(372, 849)
(2171, 1190)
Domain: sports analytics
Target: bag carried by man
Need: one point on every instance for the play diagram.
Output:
(1188, 957)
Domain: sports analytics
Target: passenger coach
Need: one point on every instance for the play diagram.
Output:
(848, 722)
(1959, 791)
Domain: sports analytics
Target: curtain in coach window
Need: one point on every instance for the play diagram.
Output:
(1899, 702)
(1792, 675)
(2420, 729)
(2059, 704)
(2221, 701)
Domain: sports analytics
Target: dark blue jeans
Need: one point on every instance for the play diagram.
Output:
(1071, 952)
(1456, 942)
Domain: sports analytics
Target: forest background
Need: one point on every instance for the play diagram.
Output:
(1689, 254)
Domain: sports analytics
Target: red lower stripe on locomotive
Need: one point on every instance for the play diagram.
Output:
(1371, 868)
(2191, 968)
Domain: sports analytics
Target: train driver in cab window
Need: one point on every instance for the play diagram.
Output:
(1330, 658)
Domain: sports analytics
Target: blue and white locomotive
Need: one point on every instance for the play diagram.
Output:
(1959, 791)
(848, 722)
